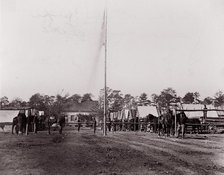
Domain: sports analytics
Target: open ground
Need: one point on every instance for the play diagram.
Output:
(118, 153)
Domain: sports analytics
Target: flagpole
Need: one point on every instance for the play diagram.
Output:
(105, 76)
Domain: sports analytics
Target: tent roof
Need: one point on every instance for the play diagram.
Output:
(8, 115)
(146, 110)
(220, 113)
(198, 114)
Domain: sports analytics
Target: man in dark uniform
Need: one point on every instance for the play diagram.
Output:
(79, 124)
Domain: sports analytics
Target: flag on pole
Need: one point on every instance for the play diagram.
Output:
(103, 31)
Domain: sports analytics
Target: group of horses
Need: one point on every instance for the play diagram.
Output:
(166, 123)
(163, 125)
(23, 124)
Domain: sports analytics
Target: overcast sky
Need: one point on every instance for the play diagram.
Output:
(52, 46)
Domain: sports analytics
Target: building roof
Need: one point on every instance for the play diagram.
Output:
(87, 106)
(8, 115)
(143, 111)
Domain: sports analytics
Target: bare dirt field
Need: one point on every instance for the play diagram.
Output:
(117, 153)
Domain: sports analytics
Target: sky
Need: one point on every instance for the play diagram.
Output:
(54, 46)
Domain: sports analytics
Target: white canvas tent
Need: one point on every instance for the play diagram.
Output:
(220, 113)
(6, 116)
(143, 111)
(198, 114)
(211, 113)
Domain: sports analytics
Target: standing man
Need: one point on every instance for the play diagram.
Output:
(35, 122)
(79, 123)
(204, 114)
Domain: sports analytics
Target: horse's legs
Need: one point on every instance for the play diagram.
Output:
(27, 128)
(178, 130)
(49, 128)
(60, 129)
(35, 127)
(20, 128)
(159, 128)
(173, 130)
(13, 126)
(183, 130)
(163, 129)
(167, 130)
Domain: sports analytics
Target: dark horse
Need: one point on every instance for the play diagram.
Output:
(165, 123)
(31, 122)
(23, 124)
(15, 125)
(195, 123)
(152, 123)
(181, 123)
(19, 123)
(53, 122)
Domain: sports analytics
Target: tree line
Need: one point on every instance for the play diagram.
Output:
(53, 105)
(116, 100)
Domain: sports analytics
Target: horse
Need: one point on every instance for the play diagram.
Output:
(32, 123)
(133, 124)
(165, 123)
(181, 123)
(195, 123)
(21, 122)
(126, 125)
(58, 122)
(151, 123)
(15, 125)
(119, 125)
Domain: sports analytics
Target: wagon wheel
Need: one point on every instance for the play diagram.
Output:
(212, 128)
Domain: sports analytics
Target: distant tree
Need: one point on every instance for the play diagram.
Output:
(48, 100)
(24, 104)
(167, 96)
(101, 97)
(143, 100)
(17, 103)
(42, 102)
(155, 98)
(219, 99)
(48, 104)
(196, 97)
(87, 97)
(74, 98)
(37, 101)
(128, 101)
(192, 97)
(4, 102)
(188, 98)
(60, 103)
(208, 101)
(115, 101)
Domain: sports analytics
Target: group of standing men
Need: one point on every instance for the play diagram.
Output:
(93, 122)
